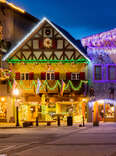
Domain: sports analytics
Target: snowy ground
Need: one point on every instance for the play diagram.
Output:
(61, 141)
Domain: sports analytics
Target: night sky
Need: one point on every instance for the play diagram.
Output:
(80, 17)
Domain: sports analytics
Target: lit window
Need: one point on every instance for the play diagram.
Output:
(50, 76)
(24, 76)
(75, 76)
(111, 72)
(98, 72)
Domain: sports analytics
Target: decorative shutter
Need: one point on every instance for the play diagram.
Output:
(31, 76)
(43, 76)
(27, 76)
(54, 44)
(56, 75)
(40, 44)
(17, 76)
(68, 76)
(82, 76)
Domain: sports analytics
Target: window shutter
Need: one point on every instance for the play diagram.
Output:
(40, 44)
(82, 76)
(54, 44)
(68, 75)
(56, 75)
(17, 76)
(27, 76)
(43, 76)
(31, 76)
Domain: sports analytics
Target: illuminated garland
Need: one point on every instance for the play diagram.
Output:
(5, 74)
(48, 61)
(45, 83)
(103, 40)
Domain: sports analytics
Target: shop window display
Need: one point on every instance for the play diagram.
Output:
(109, 110)
(3, 112)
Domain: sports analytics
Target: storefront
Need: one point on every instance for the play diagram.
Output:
(103, 110)
(3, 109)
(49, 110)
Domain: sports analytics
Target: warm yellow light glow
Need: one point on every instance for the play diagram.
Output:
(16, 92)
(112, 109)
(15, 7)
(83, 100)
(3, 1)
(3, 99)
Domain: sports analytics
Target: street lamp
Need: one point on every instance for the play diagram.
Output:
(2, 99)
(16, 93)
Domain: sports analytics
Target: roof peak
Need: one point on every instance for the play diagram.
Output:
(36, 28)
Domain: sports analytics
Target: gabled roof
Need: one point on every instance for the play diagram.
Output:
(72, 39)
(61, 31)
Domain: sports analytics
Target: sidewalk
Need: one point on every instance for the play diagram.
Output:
(54, 125)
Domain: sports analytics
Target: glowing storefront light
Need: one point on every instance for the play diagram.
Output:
(102, 101)
(16, 92)
(3, 99)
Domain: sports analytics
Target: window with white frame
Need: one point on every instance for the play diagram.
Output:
(50, 76)
(24, 76)
(98, 72)
(112, 72)
(75, 76)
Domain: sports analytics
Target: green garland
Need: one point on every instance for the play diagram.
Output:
(45, 83)
(48, 61)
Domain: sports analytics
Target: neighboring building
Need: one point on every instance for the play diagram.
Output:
(101, 49)
(15, 23)
(47, 60)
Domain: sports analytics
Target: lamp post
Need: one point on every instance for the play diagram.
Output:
(16, 93)
(83, 111)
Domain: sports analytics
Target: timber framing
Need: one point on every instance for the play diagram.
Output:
(27, 49)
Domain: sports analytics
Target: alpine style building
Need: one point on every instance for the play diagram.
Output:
(50, 69)
(47, 73)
